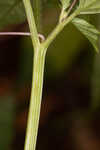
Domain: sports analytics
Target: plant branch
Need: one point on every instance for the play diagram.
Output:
(16, 33)
(71, 7)
(31, 22)
(41, 36)
(58, 29)
(64, 14)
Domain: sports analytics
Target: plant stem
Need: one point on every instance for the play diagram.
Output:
(71, 7)
(31, 22)
(35, 103)
(38, 70)
(58, 29)
(37, 8)
(64, 14)
(37, 81)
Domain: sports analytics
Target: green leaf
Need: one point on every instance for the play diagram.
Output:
(11, 12)
(91, 33)
(81, 3)
(65, 4)
(90, 6)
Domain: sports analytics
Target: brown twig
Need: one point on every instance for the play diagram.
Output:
(69, 10)
(15, 33)
(71, 7)
(42, 38)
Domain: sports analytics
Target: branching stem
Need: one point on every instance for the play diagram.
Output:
(58, 29)
(40, 49)
(65, 13)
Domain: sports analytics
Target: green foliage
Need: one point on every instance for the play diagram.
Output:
(90, 6)
(65, 4)
(11, 12)
(85, 7)
(88, 30)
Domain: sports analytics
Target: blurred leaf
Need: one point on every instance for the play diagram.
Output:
(52, 3)
(90, 6)
(65, 4)
(11, 12)
(91, 33)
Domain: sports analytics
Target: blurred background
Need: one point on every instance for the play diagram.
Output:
(70, 112)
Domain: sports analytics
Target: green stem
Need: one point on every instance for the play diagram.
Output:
(59, 28)
(61, 15)
(31, 22)
(37, 7)
(35, 103)
(37, 79)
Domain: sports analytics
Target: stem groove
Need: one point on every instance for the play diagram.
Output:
(35, 102)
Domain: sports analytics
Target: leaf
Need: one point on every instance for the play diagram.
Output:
(11, 12)
(91, 33)
(65, 4)
(81, 3)
(50, 3)
(90, 6)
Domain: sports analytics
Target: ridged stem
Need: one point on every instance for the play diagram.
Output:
(32, 24)
(35, 101)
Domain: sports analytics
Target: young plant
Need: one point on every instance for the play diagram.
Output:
(71, 12)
